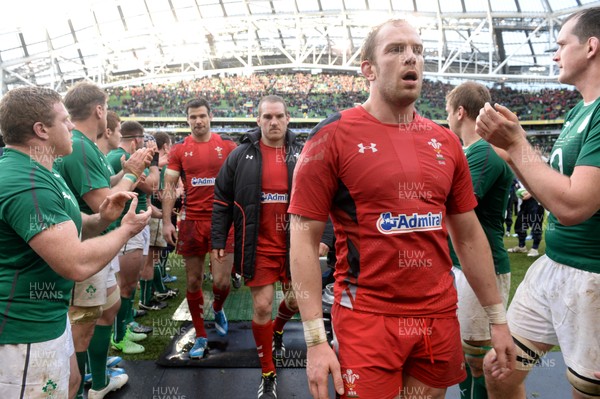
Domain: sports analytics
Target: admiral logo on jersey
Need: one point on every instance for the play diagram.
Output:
(203, 181)
(403, 223)
(273, 198)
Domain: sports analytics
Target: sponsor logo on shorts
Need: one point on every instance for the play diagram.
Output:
(405, 223)
(350, 379)
(203, 181)
(272, 198)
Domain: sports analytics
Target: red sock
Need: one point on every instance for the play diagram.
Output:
(196, 304)
(263, 336)
(220, 296)
(284, 314)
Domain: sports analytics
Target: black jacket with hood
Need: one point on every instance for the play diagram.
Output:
(238, 198)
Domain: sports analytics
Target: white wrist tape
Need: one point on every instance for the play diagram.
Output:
(314, 332)
(496, 313)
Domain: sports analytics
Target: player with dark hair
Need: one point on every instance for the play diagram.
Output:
(557, 301)
(197, 161)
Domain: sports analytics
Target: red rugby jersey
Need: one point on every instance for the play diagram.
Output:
(199, 164)
(272, 237)
(388, 188)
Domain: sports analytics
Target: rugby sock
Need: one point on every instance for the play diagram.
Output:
(284, 314)
(97, 353)
(165, 262)
(263, 336)
(129, 314)
(81, 358)
(145, 291)
(473, 387)
(120, 324)
(480, 391)
(220, 296)
(164, 256)
(196, 305)
(157, 281)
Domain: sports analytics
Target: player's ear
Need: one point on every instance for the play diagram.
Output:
(367, 68)
(593, 46)
(461, 113)
(40, 130)
(100, 111)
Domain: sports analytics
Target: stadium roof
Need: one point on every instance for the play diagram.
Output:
(115, 42)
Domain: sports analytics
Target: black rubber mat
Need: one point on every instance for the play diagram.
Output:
(236, 350)
(148, 380)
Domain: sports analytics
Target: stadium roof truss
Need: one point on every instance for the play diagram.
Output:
(120, 42)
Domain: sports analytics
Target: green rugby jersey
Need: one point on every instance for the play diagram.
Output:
(114, 159)
(85, 169)
(34, 299)
(578, 145)
(492, 179)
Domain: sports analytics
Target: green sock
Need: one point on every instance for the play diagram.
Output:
(157, 281)
(145, 291)
(81, 359)
(164, 256)
(97, 353)
(480, 389)
(473, 387)
(129, 316)
(120, 319)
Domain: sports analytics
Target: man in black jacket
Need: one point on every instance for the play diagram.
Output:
(252, 192)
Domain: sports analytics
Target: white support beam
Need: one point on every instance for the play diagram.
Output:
(240, 59)
(442, 37)
(318, 58)
(490, 22)
(450, 60)
(353, 57)
(284, 52)
(21, 78)
(518, 48)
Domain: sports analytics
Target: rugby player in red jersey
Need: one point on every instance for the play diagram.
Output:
(252, 193)
(197, 160)
(395, 184)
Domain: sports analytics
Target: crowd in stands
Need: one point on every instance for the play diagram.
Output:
(314, 96)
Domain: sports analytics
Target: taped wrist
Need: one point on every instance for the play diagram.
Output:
(314, 332)
(496, 313)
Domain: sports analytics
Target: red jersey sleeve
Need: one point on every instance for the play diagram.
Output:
(315, 176)
(230, 145)
(175, 158)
